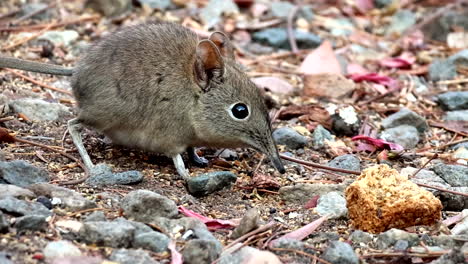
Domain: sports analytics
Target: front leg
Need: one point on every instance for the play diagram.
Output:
(195, 159)
(180, 167)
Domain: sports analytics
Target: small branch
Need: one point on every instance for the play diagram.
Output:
(442, 189)
(39, 27)
(251, 233)
(292, 39)
(39, 83)
(424, 165)
(316, 165)
(22, 41)
(299, 252)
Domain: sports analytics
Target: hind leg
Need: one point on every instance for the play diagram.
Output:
(74, 127)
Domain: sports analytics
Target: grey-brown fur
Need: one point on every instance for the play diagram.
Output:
(148, 87)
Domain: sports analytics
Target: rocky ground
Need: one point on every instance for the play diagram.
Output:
(393, 73)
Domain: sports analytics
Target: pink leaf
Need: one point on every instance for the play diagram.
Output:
(212, 224)
(379, 143)
(354, 68)
(402, 62)
(321, 60)
(302, 232)
(274, 84)
(375, 78)
(176, 257)
(364, 5)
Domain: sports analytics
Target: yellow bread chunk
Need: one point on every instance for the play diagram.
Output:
(381, 199)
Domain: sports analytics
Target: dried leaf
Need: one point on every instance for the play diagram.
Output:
(321, 60)
(312, 203)
(264, 181)
(5, 136)
(212, 224)
(302, 232)
(380, 143)
(274, 84)
(327, 85)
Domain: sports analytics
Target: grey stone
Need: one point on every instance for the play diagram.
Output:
(154, 241)
(61, 249)
(405, 117)
(340, 253)
(460, 59)
(212, 12)
(95, 216)
(144, 206)
(340, 26)
(140, 228)
(454, 256)
(455, 175)
(439, 28)
(453, 100)
(401, 245)
(289, 137)
(461, 115)
(20, 207)
(461, 153)
(461, 228)
(319, 136)
(347, 162)
(382, 3)
(157, 4)
(404, 135)
(464, 248)
(15, 191)
(248, 255)
(249, 222)
(342, 126)
(200, 251)
(5, 258)
(332, 204)
(3, 223)
(131, 256)
(281, 9)
(440, 70)
(390, 237)
(69, 199)
(102, 175)
(301, 193)
(31, 222)
(228, 154)
(401, 21)
(21, 173)
(110, 8)
(60, 38)
(109, 234)
(447, 241)
(460, 145)
(296, 245)
(39, 110)
(278, 38)
(359, 237)
(210, 182)
(33, 7)
(172, 227)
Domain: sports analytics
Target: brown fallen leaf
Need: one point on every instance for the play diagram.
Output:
(306, 114)
(327, 85)
(274, 84)
(264, 181)
(321, 60)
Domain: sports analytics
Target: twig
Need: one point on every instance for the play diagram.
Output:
(39, 83)
(291, 37)
(442, 125)
(9, 14)
(453, 81)
(38, 11)
(7, 118)
(251, 233)
(452, 143)
(442, 189)
(315, 165)
(39, 27)
(301, 253)
(22, 41)
(424, 165)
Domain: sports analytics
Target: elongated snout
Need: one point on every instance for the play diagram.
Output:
(272, 152)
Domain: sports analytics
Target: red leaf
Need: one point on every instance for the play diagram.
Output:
(212, 224)
(403, 62)
(321, 60)
(375, 78)
(379, 143)
(302, 232)
(312, 203)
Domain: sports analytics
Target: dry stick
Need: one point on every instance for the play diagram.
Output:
(38, 11)
(4, 119)
(21, 42)
(251, 233)
(39, 83)
(424, 165)
(442, 125)
(38, 27)
(315, 165)
(292, 39)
